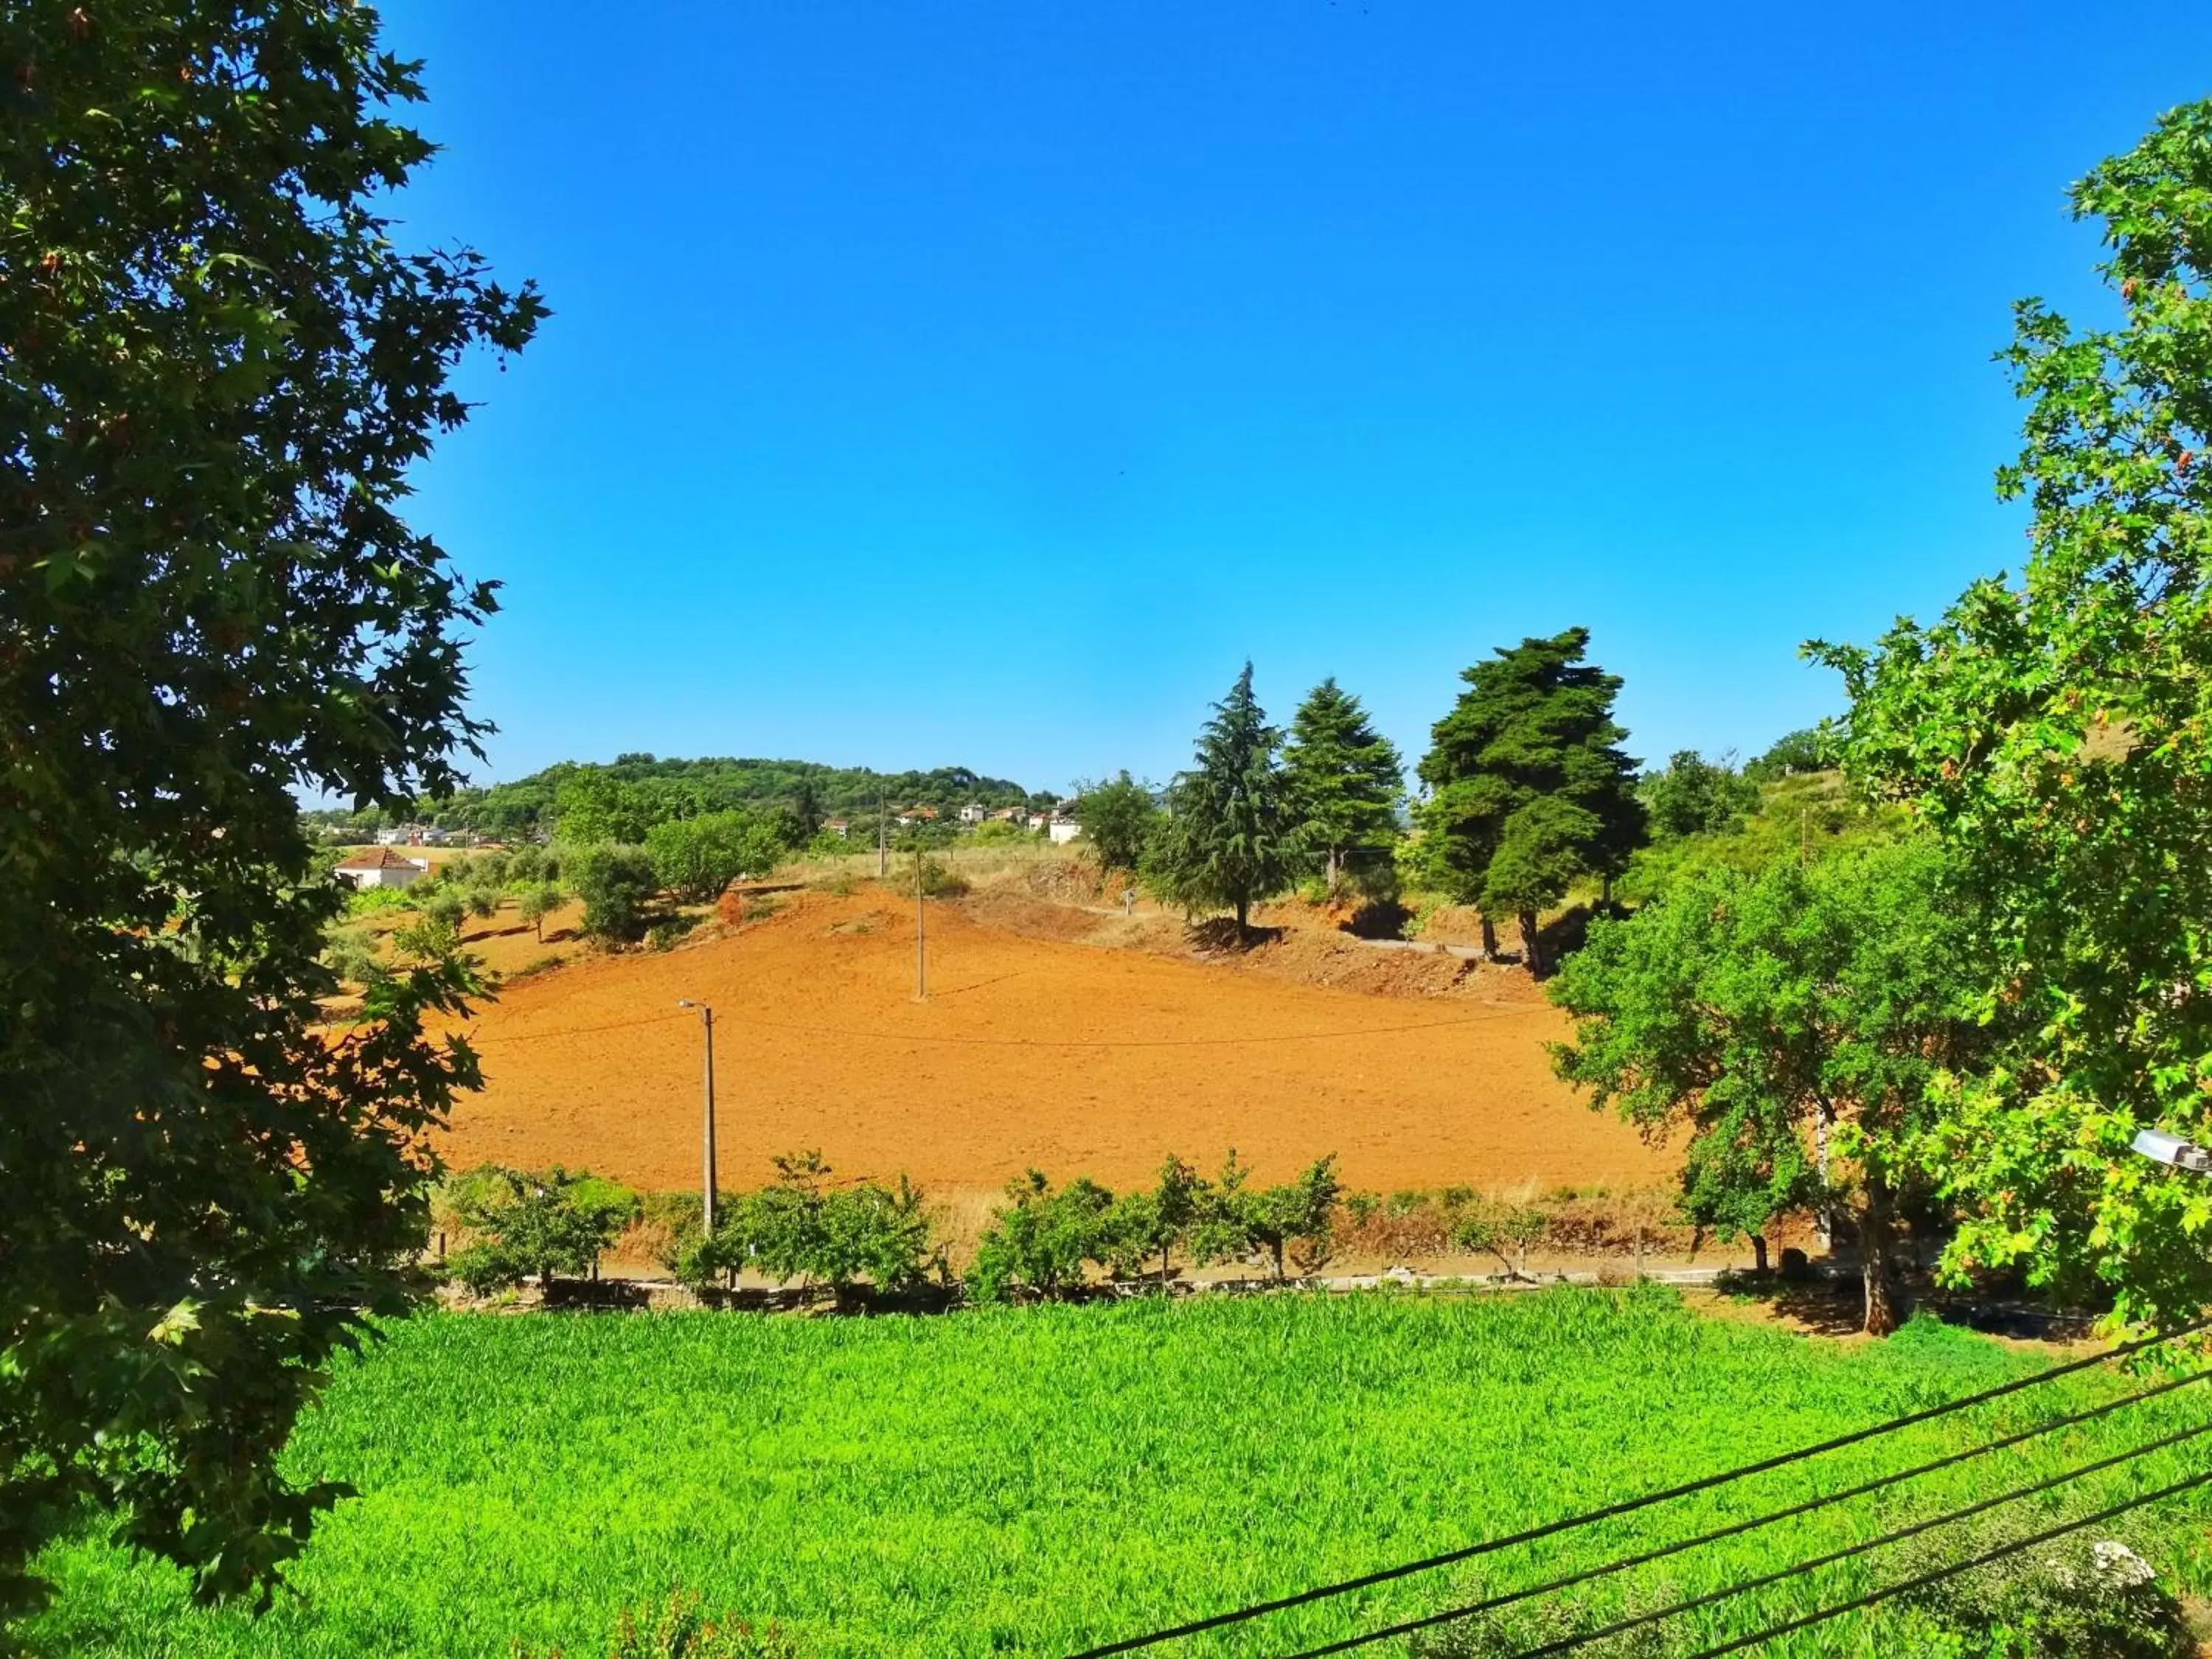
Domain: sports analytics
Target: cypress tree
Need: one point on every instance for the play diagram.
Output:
(1345, 780)
(1230, 839)
(1527, 786)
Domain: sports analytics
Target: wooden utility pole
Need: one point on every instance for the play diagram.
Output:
(883, 840)
(921, 955)
(707, 1147)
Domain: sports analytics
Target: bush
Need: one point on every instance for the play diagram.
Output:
(1234, 1220)
(526, 1223)
(617, 885)
(1039, 1240)
(937, 880)
(696, 857)
(803, 1228)
(664, 934)
(350, 953)
(378, 900)
(1497, 1227)
(2073, 1598)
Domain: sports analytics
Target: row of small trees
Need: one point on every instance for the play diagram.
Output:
(1042, 1242)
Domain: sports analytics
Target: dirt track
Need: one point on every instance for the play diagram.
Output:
(1029, 1052)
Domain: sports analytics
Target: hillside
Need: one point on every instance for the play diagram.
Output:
(711, 783)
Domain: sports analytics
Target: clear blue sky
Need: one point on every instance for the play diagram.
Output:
(980, 384)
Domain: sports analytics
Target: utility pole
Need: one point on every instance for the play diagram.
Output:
(883, 840)
(920, 956)
(706, 1189)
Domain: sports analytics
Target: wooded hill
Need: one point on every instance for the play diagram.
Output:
(711, 784)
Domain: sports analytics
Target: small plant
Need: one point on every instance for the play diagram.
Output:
(1497, 1228)
(2081, 1598)
(804, 1229)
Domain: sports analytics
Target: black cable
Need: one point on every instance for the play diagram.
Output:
(1857, 1602)
(1738, 1528)
(476, 1041)
(1629, 1506)
(1568, 1643)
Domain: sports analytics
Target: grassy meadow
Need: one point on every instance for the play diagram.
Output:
(1034, 1480)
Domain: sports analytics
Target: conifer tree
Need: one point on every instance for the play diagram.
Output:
(1344, 779)
(1229, 839)
(1527, 786)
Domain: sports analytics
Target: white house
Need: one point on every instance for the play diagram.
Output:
(835, 826)
(973, 813)
(1063, 831)
(379, 867)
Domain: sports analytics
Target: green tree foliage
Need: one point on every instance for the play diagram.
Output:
(1119, 819)
(617, 885)
(1230, 840)
(1285, 1224)
(1344, 782)
(1806, 1004)
(1815, 748)
(528, 1224)
(220, 366)
(1039, 1239)
(593, 807)
(2057, 733)
(1693, 796)
(805, 1228)
(696, 857)
(537, 901)
(1527, 786)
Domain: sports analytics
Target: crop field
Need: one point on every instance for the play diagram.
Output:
(1029, 1051)
(1033, 1480)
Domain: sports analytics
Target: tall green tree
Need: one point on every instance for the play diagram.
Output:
(1230, 840)
(1804, 1006)
(2057, 731)
(221, 366)
(1527, 786)
(1345, 780)
(696, 857)
(1119, 820)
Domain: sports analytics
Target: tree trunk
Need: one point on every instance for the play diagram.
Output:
(1824, 1225)
(1885, 1304)
(1489, 938)
(1243, 919)
(1532, 944)
(1605, 892)
(1332, 872)
(1758, 1252)
(1163, 1269)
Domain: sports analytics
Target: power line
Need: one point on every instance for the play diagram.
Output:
(476, 1041)
(1010, 1042)
(1858, 1602)
(1763, 1581)
(1737, 1528)
(1629, 1506)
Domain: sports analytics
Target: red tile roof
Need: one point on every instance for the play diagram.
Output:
(376, 858)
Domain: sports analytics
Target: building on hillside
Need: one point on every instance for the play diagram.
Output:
(918, 815)
(1004, 814)
(390, 835)
(380, 867)
(973, 813)
(1063, 831)
(836, 827)
(1040, 820)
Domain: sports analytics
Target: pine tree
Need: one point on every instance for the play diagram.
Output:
(1230, 838)
(1344, 780)
(1527, 786)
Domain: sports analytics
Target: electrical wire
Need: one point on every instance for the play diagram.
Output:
(1743, 1587)
(1739, 1527)
(476, 1041)
(1629, 1506)
(1857, 1602)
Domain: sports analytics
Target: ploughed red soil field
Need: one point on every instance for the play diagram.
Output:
(1030, 1051)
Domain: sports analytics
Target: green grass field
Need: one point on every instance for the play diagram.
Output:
(1032, 1480)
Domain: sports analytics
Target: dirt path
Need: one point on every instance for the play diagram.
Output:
(1030, 1051)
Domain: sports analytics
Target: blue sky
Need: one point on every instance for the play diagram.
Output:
(980, 384)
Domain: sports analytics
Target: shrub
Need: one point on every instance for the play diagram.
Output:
(617, 884)
(377, 900)
(526, 1223)
(1496, 1227)
(1039, 1240)
(696, 857)
(350, 953)
(2073, 1598)
(1235, 1220)
(803, 1228)
(446, 908)
(664, 934)
(528, 863)
(937, 880)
